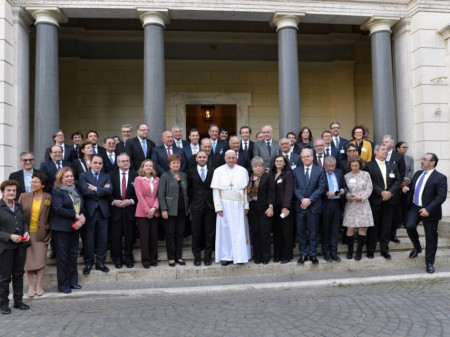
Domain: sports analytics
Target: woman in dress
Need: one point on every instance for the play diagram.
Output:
(358, 213)
(38, 212)
(282, 225)
(174, 204)
(305, 138)
(260, 193)
(147, 212)
(67, 220)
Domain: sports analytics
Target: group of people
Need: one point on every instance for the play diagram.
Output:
(235, 195)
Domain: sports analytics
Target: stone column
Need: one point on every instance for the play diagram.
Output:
(154, 22)
(46, 100)
(22, 21)
(288, 77)
(384, 119)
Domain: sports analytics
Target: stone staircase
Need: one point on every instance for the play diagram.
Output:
(399, 251)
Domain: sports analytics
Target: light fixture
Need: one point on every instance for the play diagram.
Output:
(208, 112)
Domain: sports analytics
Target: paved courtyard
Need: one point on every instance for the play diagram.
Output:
(420, 308)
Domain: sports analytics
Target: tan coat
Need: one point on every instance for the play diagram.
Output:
(45, 213)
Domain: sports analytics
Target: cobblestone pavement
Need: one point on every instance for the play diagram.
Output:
(393, 309)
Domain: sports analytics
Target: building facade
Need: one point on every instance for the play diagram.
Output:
(82, 65)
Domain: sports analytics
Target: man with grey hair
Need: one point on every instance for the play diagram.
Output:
(177, 133)
(266, 148)
(161, 154)
(23, 176)
(126, 131)
(319, 152)
(214, 160)
(242, 157)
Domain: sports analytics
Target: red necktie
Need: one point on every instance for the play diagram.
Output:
(245, 146)
(124, 185)
(237, 159)
(319, 161)
(168, 152)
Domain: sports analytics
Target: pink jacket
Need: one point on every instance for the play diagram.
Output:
(146, 199)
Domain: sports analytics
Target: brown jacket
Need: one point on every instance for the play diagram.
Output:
(45, 213)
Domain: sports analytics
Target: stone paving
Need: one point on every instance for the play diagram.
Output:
(392, 309)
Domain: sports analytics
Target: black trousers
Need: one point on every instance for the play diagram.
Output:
(381, 231)
(66, 245)
(174, 227)
(12, 262)
(431, 234)
(282, 235)
(331, 219)
(126, 228)
(148, 236)
(260, 228)
(203, 233)
(96, 238)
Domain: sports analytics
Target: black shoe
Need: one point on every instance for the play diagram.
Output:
(76, 286)
(118, 265)
(430, 268)
(257, 262)
(66, 291)
(314, 260)
(154, 264)
(207, 263)
(5, 309)
(146, 265)
(87, 269)
(276, 260)
(102, 268)
(265, 262)
(130, 265)
(414, 253)
(370, 255)
(171, 264)
(302, 259)
(180, 262)
(225, 263)
(336, 258)
(395, 239)
(285, 261)
(197, 263)
(20, 305)
(327, 258)
(387, 256)
(358, 257)
(349, 256)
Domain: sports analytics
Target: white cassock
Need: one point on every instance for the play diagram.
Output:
(232, 233)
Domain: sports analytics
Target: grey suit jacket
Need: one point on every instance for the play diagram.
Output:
(260, 149)
(409, 163)
(168, 193)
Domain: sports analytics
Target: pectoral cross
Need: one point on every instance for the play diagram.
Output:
(231, 185)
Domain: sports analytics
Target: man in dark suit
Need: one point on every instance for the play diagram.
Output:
(242, 157)
(246, 144)
(218, 146)
(127, 132)
(309, 185)
(339, 143)
(267, 148)
(110, 157)
(58, 139)
(203, 215)
(428, 191)
(160, 154)
(96, 188)
(178, 140)
(23, 176)
(123, 211)
(77, 138)
(140, 148)
(332, 209)
(214, 160)
(92, 136)
(295, 148)
(386, 186)
(319, 152)
(285, 150)
(328, 149)
(193, 146)
(50, 167)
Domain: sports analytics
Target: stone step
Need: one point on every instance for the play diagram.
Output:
(400, 260)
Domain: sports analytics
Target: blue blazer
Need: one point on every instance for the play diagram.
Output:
(64, 213)
(312, 191)
(159, 158)
(188, 151)
(49, 169)
(99, 198)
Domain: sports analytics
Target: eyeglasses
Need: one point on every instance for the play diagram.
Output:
(425, 159)
(351, 150)
(143, 129)
(404, 147)
(28, 160)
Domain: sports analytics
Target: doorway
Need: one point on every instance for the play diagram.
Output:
(225, 116)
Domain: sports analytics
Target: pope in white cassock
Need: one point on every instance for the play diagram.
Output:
(230, 202)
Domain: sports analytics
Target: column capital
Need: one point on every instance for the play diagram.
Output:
(402, 26)
(154, 16)
(22, 17)
(445, 32)
(49, 15)
(379, 24)
(286, 19)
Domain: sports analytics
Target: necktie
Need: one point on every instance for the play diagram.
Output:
(327, 152)
(245, 146)
(179, 144)
(124, 185)
(214, 147)
(237, 159)
(383, 173)
(269, 147)
(194, 150)
(287, 157)
(418, 188)
(168, 152)
(96, 175)
(319, 160)
(307, 176)
(59, 165)
(111, 159)
(336, 142)
(202, 174)
(94, 149)
(330, 182)
(144, 147)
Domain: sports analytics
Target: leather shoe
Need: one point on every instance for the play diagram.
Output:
(387, 256)
(130, 265)
(395, 239)
(302, 259)
(314, 260)
(327, 258)
(171, 264)
(284, 261)
(76, 286)
(146, 265)
(154, 264)
(276, 260)
(257, 262)
(265, 262)
(118, 265)
(370, 255)
(197, 263)
(102, 268)
(207, 263)
(430, 268)
(414, 253)
(20, 305)
(180, 262)
(87, 269)
(5, 309)
(225, 263)
(336, 258)
(66, 291)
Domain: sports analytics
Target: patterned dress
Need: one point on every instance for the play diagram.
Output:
(358, 214)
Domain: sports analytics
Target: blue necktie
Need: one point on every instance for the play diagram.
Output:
(418, 188)
(330, 182)
(214, 147)
(328, 152)
(144, 147)
(202, 174)
(307, 176)
(59, 165)
(269, 148)
(96, 175)
(94, 150)
(111, 159)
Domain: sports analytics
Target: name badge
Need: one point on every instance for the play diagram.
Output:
(391, 175)
(279, 181)
(342, 151)
(352, 180)
(293, 166)
(363, 149)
